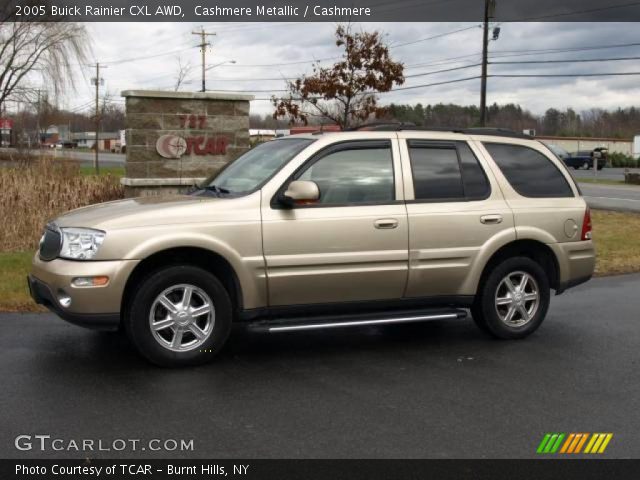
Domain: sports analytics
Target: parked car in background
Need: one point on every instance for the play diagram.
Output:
(584, 159)
(580, 159)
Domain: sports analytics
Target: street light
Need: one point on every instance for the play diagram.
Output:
(218, 64)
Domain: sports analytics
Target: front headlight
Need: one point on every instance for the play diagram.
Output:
(80, 243)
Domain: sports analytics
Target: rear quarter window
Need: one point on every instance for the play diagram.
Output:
(529, 172)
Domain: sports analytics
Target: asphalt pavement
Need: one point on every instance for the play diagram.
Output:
(604, 174)
(435, 390)
(612, 197)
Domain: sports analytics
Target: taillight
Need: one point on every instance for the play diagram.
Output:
(586, 225)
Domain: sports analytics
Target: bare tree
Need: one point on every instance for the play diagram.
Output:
(344, 93)
(184, 69)
(51, 49)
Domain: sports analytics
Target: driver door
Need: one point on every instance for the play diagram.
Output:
(350, 245)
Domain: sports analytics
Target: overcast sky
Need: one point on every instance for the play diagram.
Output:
(264, 51)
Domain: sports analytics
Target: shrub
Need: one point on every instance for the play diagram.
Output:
(33, 192)
(620, 160)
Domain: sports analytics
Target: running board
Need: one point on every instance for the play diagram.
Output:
(296, 325)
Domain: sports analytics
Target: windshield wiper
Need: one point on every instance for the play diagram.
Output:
(210, 188)
(215, 188)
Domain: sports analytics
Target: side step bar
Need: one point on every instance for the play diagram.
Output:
(291, 325)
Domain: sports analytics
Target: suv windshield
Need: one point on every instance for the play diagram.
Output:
(249, 171)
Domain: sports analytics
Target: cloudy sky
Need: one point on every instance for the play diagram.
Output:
(145, 56)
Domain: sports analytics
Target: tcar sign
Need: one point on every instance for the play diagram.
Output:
(174, 146)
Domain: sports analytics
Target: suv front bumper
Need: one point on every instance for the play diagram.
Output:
(96, 307)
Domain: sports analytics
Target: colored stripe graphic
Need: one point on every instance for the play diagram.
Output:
(550, 443)
(598, 443)
(573, 443)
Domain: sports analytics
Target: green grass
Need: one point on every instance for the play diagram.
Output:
(14, 293)
(603, 181)
(113, 171)
(616, 235)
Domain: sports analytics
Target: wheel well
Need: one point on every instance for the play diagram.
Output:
(198, 257)
(537, 251)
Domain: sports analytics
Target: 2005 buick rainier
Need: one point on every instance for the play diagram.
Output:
(381, 225)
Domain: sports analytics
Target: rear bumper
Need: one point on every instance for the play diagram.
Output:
(576, 262)
(42, 295)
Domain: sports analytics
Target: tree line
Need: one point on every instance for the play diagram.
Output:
(619, 123)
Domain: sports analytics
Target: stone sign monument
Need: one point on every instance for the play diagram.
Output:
(174, 139)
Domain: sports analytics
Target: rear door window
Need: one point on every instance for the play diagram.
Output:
(446, 171)
(529, 172)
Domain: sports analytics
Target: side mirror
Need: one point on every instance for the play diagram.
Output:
(300, 192)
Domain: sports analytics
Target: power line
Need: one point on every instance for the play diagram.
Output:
(498, 53)
(442, 71)
(458, 80)
(432, 37)
(567, 60)
(146, 57)
(568, 14)
(542, 75)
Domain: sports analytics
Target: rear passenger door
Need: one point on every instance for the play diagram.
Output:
(455, 209)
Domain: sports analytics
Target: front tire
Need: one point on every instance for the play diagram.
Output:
(180, 315)
(513, 299)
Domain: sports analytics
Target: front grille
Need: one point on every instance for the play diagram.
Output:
(51, 243)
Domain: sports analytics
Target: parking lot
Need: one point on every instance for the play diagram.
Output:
(436, 390)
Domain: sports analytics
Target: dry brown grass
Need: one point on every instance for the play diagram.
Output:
(33, 192)
(617, 239)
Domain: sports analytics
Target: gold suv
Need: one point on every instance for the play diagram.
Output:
(375, 226)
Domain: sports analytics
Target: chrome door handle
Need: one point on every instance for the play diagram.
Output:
(491, 219)
(386, 223)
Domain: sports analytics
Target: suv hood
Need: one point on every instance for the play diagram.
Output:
(142, 211)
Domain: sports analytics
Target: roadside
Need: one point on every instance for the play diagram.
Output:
(616, 234)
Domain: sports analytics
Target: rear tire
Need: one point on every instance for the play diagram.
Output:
(179, 316)
(513, 299)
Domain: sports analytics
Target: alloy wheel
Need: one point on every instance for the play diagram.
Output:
(182, 317)
(517, 299)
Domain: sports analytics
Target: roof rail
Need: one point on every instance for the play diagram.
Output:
(400, 126)
(383, 126)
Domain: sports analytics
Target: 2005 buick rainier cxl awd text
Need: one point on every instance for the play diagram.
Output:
(387, 224)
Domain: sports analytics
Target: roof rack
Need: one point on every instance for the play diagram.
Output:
(400, 126)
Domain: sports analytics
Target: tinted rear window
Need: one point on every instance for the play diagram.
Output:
(529, 172)
(446, 171)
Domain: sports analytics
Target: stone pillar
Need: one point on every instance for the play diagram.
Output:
(174, 139)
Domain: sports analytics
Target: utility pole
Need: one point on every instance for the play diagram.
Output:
(38, 121)
(489, 6)
(97, 82)
(203, 48)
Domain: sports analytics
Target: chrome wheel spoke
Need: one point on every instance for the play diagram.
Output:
(186, 297)
(202, 310)
(510, 286)
(199, 334)
(523, 313)
(162, 324)
(523, 282)
(504, 301)
(528, 297)
(166, 303)
(509, 316)
(176, 342)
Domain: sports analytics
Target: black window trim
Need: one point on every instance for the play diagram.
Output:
(328, 150)
(551, 162)
(454, 145)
